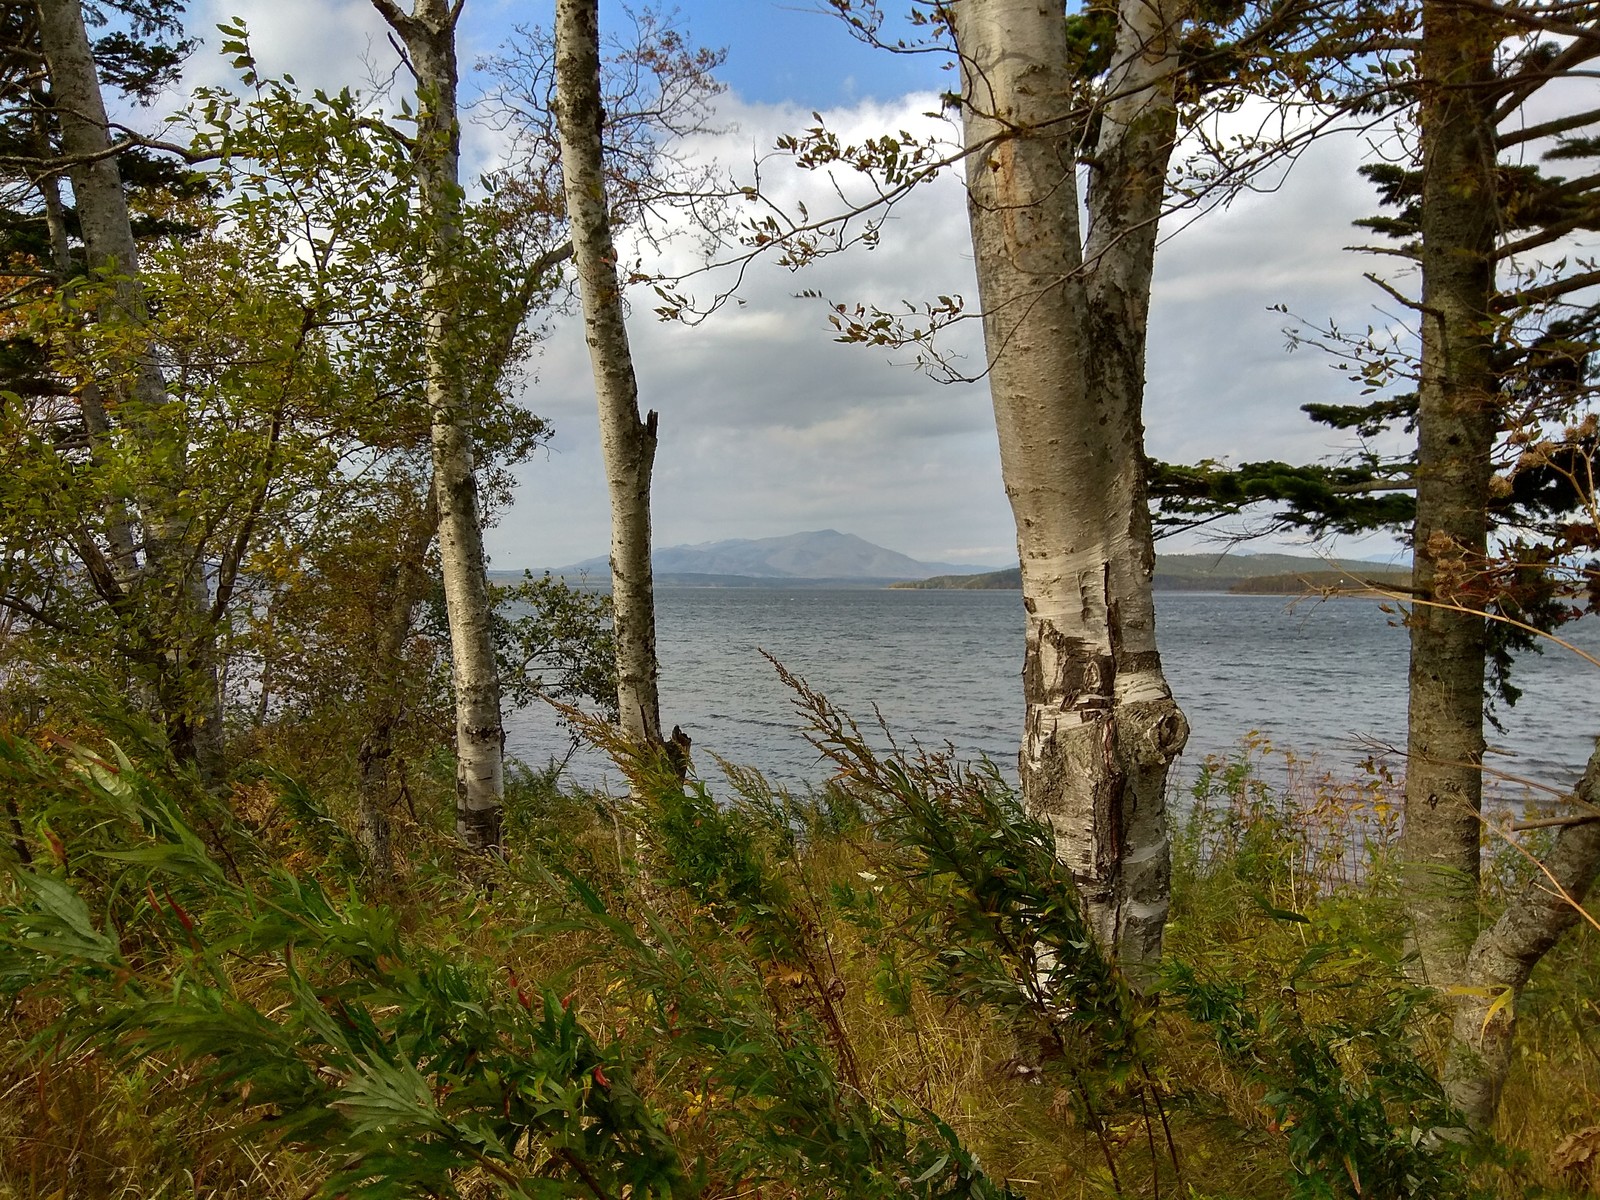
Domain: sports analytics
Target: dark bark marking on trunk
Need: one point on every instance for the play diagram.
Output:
(479, 828)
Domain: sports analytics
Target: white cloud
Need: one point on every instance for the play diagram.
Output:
(769, 426)
(328, 44)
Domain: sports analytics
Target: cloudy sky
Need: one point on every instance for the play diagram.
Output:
(768, 426)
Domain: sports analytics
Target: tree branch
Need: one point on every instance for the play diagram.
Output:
(1550, 233)
(1373, 485)
(1527, 297)
(18, 605)
(1527, 81)
(394, 14)
(1528, 20)
(1555, 822)
(1399, 297)
(1529, 133)
(65, 162)
(553, 257)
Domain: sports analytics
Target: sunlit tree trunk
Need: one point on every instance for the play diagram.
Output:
(1065, 338)
(1456, 425)
(169, 596)
(1125, 195)
(627, 442)
(428, 33)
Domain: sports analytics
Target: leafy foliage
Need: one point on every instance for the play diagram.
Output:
(403, 1065)
(1362, 1116)
(1318, 500)
(1288, 958)
(736, 1009)
(554, 639)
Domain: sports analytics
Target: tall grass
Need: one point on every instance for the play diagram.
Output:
(878, 988)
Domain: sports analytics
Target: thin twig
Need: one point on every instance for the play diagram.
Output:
(1555, 822)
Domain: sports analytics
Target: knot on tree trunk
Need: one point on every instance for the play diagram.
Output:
(1151, 733)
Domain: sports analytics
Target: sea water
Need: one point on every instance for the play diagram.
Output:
(1325, 680)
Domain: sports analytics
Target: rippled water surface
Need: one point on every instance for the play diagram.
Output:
(1324, 679)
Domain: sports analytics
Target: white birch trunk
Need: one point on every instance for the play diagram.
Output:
(429, 36)
(181, 640)
(1101, 726)
(121, 541)
(627, 443)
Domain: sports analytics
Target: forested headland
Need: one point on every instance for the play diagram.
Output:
(280, 918)
(1246, 574)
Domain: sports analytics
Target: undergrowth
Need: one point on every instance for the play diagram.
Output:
(881, 988)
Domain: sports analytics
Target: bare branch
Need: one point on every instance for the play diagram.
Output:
(1528, 80)
(1544, 129)
(1413, 305)
(1527, 297)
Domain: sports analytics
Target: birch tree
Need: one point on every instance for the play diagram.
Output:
(628, 443)
(611, 116)
(1064, 324)
(148, 556)
(428, 33)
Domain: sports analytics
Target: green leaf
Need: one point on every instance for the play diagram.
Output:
(62, 923)
(1278, 914)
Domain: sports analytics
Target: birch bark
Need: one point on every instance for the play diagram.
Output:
(628, 443)
(1065, 342)
(121, 542)
(428, 33)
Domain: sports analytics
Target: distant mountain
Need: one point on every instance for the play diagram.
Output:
(822, 554)
(1213, 573)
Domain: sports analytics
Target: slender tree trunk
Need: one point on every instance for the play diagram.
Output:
(1505, 954)
(429, 36)
(1456, 424)
(1101, 726)
(182, 629)
(1483, 970)
(1126, 191)
(123, 556)
(628, 443)
(407, 587)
